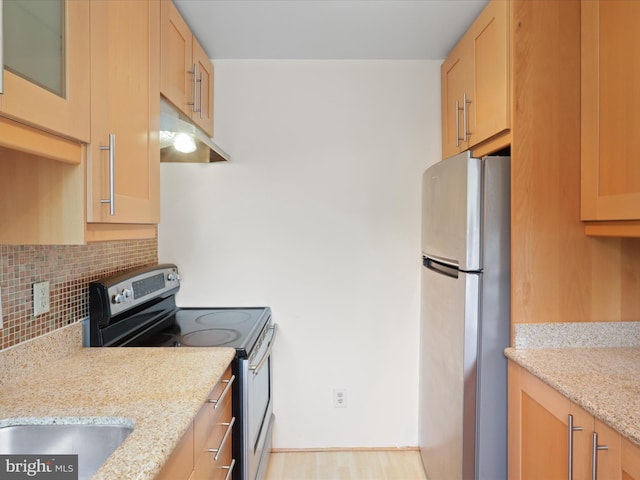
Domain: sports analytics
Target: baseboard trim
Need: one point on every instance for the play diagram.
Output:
(346, 449)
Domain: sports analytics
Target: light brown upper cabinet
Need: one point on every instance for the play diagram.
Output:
(124, 158)
(610, 102)
(46, 58)
(186, 78)
(475, 82)
(44, 116)
(455, 85)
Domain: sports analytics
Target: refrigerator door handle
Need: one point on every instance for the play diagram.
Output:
(440, 268)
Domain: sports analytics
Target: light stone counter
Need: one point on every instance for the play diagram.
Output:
(603, 381)
(157, 390)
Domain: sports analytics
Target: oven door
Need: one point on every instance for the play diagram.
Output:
(259, 404)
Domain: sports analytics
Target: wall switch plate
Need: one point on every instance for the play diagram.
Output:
(40, 298)
(340, 398)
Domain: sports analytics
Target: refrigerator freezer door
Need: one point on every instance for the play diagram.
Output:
(494, 332)
(447, 417)
(451, 211)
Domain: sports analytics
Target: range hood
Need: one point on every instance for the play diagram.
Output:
(181, 141)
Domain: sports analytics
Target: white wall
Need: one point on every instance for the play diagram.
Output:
(318, 216)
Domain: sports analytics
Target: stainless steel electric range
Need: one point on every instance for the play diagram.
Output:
(137, 308)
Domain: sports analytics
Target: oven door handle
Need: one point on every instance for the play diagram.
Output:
(256, 368)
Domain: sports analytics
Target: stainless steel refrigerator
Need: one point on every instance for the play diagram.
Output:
(465, 318)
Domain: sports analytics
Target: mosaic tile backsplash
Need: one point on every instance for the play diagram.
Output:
(68, 269)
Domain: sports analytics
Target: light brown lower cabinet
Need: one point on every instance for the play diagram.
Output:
(180, 463)
(552, 438)
(205, 451)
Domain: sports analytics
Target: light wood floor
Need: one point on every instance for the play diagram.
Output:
(347, 465)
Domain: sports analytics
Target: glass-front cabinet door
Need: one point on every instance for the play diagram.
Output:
(34, 37)
(46, 48)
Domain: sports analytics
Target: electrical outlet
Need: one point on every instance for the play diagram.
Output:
(340, 398)
(40, 298)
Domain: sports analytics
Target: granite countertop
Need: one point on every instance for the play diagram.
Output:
(603, 381)
(158, 390)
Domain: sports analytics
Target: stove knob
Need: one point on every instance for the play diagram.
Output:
(119, 298)
(127, 293)
(172, 277)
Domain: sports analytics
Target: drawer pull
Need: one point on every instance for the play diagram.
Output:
(217, 401)
(218, 450)
(230, 468)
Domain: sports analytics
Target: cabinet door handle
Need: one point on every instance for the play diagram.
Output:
(458, 123)
(112, 174)
(194, 103)
(218, 450)
(571, 429)
(594, 455)
(201, 95)
(230, 468)
(1, 50)
(218, 401)
(465, 114)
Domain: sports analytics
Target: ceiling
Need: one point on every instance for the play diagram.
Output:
(329, 29)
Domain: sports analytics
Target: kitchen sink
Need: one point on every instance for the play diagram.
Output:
(93, 443)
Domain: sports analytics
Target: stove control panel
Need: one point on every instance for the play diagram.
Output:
(120, 293)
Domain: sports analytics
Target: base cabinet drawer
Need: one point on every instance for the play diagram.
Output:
(207, 468)
(214, 422)
(213, 429)
(206, 449)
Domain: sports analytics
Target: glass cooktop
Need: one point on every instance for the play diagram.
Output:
(208, 327)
